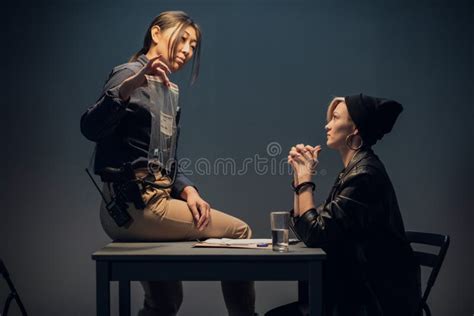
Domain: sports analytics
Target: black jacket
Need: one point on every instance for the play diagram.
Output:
(370, 264)
(122, 129)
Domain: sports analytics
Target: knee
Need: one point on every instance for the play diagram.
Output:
(247, 232)
(243, 231)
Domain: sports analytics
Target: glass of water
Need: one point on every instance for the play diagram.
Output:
(280, 221)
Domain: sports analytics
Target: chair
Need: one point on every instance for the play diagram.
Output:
(13, 294)
(430, 260)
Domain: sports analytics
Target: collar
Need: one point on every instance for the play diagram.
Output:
(142, 59)
(361, 154)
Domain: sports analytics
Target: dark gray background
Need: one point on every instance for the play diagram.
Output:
(269, 69)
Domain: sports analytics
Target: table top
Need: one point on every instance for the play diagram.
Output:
(183, 251)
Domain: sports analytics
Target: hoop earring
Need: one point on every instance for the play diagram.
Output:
(349, 144)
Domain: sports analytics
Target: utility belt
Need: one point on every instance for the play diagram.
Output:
(127, 188)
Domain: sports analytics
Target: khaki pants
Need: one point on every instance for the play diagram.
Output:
(168, 219)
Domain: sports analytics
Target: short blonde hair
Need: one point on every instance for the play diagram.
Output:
(332, 106)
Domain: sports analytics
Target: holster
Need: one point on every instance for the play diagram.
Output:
(127, 188)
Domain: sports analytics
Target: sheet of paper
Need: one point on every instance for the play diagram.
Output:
(229, 241)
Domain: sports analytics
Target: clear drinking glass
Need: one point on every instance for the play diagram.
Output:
(280, 221)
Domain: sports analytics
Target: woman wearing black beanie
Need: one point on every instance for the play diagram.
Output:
(370, 267)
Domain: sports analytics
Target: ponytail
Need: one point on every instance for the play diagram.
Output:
(135, 56)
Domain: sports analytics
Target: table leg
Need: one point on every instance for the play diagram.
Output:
(102, 288)
(124, 298)
(303, 292)
(315, 289)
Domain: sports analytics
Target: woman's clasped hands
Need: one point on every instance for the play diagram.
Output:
(303, 159)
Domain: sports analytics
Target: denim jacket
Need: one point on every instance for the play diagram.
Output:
(121, 129)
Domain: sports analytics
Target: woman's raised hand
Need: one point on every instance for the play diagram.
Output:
(156, 67)
(304, 160)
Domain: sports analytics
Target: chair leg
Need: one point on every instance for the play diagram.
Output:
(10, 298)
(426, 309)
(7, 304)
(13, 294)
(20, 305)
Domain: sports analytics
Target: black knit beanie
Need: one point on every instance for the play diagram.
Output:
(374, 117)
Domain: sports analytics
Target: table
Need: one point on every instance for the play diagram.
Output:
(153, 261)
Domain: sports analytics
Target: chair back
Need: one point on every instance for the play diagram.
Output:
(430, 260)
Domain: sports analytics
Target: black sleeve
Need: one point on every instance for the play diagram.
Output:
(345, 216)
(181, 182)
(101, 119)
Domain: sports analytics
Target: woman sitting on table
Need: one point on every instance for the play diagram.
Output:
(135, 124)
(370, 267)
